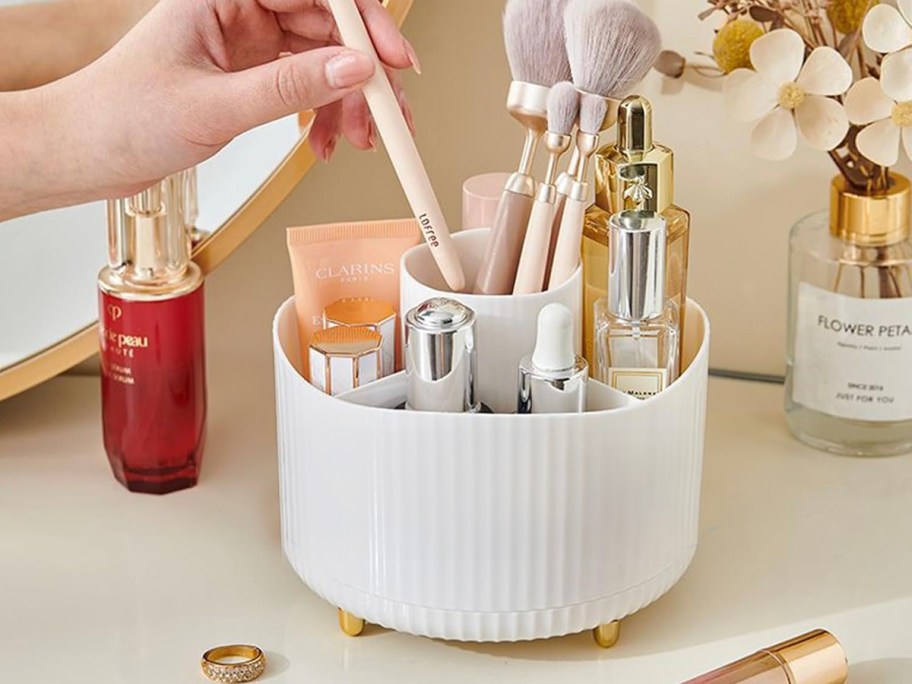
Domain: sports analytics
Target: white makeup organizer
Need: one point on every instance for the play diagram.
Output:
(489, 527)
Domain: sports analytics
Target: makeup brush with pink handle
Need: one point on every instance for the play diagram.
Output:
(563, 112)
(534, 37)
(612, 45)
(400, 145)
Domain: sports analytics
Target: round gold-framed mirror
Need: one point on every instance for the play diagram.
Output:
(243, 206)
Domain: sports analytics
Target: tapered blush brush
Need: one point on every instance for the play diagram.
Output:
(401, 147)
(536, 50)
(612, 45)
(563, 112)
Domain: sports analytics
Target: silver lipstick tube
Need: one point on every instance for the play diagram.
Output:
(441, 362)
(562, 391)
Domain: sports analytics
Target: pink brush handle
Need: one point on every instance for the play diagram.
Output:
(401, 147)
(569, 240)
(530, 277)
(559, 205)
(498, 270)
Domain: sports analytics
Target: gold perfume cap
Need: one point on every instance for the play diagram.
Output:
(870, 220)
(814, 658)
(148, 239)
(636, 173)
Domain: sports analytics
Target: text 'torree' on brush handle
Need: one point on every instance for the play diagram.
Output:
(400, 146)
(498, 270)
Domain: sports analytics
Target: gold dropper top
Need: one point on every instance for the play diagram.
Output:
(635, 173)
(635, 127)
(871, 219)
(148, 239)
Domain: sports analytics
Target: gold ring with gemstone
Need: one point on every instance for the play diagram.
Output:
(231, 664)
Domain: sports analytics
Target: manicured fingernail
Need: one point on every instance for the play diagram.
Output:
(329, 150)
(412, 55)
(348, 69)
(372, 136)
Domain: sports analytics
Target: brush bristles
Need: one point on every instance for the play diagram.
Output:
(593, 110)
(612, 45)
(563, 108)
(536, 46)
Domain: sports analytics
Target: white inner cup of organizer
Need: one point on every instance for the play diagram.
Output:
(506, 325)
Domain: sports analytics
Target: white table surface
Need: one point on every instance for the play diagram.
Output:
(103, 586)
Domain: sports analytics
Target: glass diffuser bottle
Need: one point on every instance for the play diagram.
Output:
(636, 173)
(153, 382)
(849, 380)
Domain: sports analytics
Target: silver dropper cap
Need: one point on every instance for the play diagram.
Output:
(440, 358)
(636, 269)
(553, 379)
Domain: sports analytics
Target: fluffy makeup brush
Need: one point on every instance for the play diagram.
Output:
(536, 49)
(612, 45)
(563, 112)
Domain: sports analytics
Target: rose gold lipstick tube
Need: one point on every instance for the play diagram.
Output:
(814, 658)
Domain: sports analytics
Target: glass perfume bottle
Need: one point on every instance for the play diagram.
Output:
(635, 173)
(637, 334)
(849, 379)
(153, 376)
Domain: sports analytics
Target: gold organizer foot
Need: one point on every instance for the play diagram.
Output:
(607, 635)
(349, 624)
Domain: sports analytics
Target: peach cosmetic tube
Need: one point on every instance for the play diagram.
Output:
(343, 261)
(813, 658)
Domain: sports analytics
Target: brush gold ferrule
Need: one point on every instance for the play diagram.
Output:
(636, 173)
(521, 184)
(870, 219)
(586, 145)
(578, 191)
(547, 193)
(611, 113)
(530, 147)
(528, 104)
(556, 144)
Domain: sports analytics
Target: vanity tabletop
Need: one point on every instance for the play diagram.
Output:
(103, 586)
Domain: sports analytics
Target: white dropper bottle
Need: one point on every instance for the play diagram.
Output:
(553, 378)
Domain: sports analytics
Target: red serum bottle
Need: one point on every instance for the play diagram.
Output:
(153, 367)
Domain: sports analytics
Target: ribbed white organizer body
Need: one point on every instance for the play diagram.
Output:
(489, 527)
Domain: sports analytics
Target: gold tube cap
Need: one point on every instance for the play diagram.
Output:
(814, 658)
(358, 311)
(871, 220)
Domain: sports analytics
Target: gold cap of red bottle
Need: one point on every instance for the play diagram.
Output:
(148, 235)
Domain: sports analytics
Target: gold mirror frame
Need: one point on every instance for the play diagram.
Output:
(209, 254)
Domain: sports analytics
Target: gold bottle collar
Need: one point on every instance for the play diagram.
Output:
(871, 220)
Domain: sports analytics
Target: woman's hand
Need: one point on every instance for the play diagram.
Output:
(191, 76)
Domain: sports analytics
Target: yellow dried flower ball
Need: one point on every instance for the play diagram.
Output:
(848, 15)
(732, 44)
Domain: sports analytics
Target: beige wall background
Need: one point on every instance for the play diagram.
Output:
(742, 207)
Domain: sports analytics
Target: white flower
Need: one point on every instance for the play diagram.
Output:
(887, 29)
(787, 96)
(887, 106)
